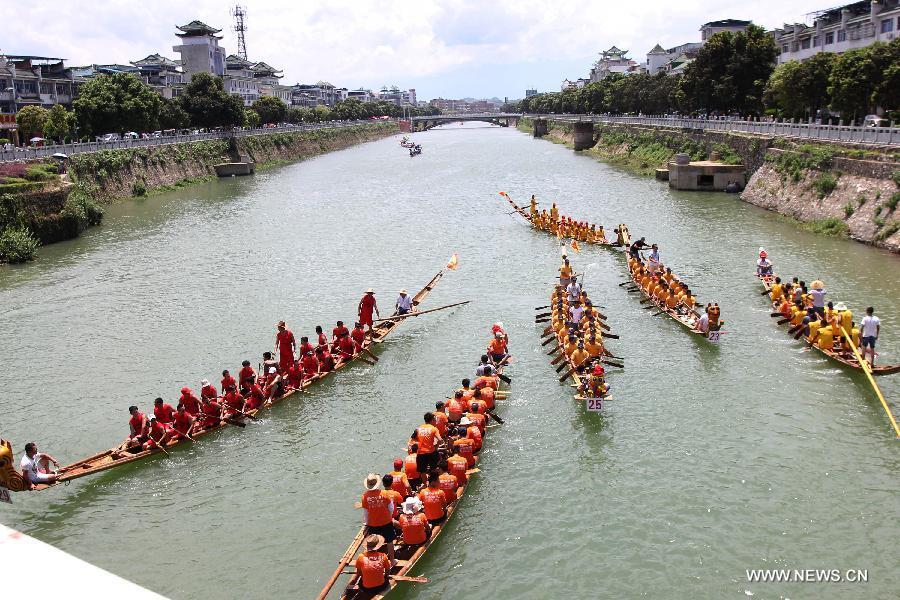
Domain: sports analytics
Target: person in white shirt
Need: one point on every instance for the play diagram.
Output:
(36, 466)
(404, 303)
(573, 290)
(763, 264)
(703, 323)
(871, 327)
(653, 263)
(576, 311)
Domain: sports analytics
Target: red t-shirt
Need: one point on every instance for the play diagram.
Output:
(367, 305)
(337, 332)
(164, 413)
(229, 381)
(246, 373)
(285, 342)
(137, 423)
(182, 422)
(207, 391)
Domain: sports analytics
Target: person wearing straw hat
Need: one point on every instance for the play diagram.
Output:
(415, 527)
(404, 302)
(817, 293)
(378, 512)
(368, 305)
(373, 566)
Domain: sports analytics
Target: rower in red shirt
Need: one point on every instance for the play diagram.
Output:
(345, 347)
(285, 346)
(212, 413)
(158, 435)
(207, 390)
(305, 347)
(367, 305)
(326, 361)
(228, 380)
(274, 385)
(310, 364)
(358, 335)
(163, 412)
(256, 398)
(295, 376)
(322, 338)
(139, 427)
(190, 401)
(246, 377)
(183, 423)
(233, 402)
(337, 333)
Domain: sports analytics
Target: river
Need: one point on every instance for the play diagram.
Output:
(710, 460)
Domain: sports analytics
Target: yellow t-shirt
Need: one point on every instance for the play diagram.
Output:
(777, 292)
(826, 338)
(813, 329)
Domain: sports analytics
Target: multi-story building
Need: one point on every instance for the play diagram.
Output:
(35, 81)
(530, 93)
(199, 49)
(612, 61)
(311, 95)
(240, 79)
(671, 60)
(361, 94)
(398, 96)
(707, 30)
(840, 29)
(160, 73)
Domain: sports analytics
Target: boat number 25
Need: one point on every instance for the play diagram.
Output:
(593, 404)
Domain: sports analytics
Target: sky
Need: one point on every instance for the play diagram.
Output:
(442, 48)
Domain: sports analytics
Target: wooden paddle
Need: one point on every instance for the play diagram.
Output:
(612, 364)
(155, 443)
(396, 577)
(370, 353)
(657, 313)
(776, 314)
(365, 360)
(542, 315)
(495, 417)
(609, 335)
(645, 300)
(556, 360)
(568, 374)
(420, 312)
(625, 283)
(561, 367)
(764, 293)
(541, 307)
(783, 321)
(548, 341)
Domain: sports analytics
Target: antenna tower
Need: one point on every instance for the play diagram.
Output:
(239, 13)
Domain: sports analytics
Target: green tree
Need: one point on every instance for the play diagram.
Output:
(294, 115)
(852, 83)
(172, 115)
(886, 93)
(798, 89)
(117, 103)
(251, 118)
(323, 113)
(350, 109)
(730, 72)
(31, 121)
(270, 109)
(59, 123)
(209, 105)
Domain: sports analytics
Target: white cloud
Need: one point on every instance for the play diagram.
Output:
(371, 43)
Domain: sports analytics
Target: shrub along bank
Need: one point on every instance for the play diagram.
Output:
(37, 207)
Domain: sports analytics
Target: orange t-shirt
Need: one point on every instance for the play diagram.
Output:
(487, 397)
(373, 566)
(474, 434)
(413, 527)
(377, 503)
(454, 409)
(395, 497)
(448, 483)
(440, 421)
(485, 381)
(466, 450)
(400, 483)
(411, 467)
(435, 501)
(427, 436)
(457, 466)
(479, 419)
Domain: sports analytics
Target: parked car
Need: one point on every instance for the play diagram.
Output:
(875, 121)
(109, 137)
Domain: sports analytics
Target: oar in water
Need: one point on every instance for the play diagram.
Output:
(611, 336)
(548, 341)
(765, 292)
(776, 314)
(420, 312)
(625, 283)
(556, 360)
(495, 417)
(561, 367)
(370, 353)
(542, 315)
(568, 374)
(541, 307)
(157, 444)
(657, 313)
(612, 364)
(783, 321)
(396, 577)
(645, 300)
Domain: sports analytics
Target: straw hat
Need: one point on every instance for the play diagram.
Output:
(403, 291)
(370, 291)
(374, 542)
(281, 324)
(371, 481)
(818, 284)
(840, 306)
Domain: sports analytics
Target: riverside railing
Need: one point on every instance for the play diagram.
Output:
(80, 148)
(883, 136)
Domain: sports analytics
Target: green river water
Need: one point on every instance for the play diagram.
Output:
(710, 460)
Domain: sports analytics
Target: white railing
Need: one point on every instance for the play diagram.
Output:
(79, 148)
(884, 136)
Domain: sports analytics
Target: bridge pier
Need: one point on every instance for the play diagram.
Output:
(540, 127)
(583, 135)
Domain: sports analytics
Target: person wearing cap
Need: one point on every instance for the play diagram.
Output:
(378, 510)
(246, 377)
(274, 385)
(207, 390)
(763, 264)
(404, 303)
(368, 305)
(399, 481)
(163, 412)
(497, 349)
(285, 346)
(428, 439)
(817, 295)
(374, 566)
(358, 335)
(415, 527)
(434, 499)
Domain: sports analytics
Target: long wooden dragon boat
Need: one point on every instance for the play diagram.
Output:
(843, 356)
(687, 319)
(406, 556)
(623, 236)
(114, 457)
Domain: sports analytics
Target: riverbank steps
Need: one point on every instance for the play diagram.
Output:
(849, 191)
(61, 210)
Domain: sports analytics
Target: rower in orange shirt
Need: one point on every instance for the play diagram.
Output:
(435, 500)
(447, 482)
(478, 417)
(485, 397)
(413, 523)
(466, 447)
(387, 481)
(473, 433)
(440, 418)
(428, 438)
(378, 512)
(497, 349)
(489, 379)
(455, 407)
(373, 566)
(410, 466)
(400, 483)
(457, 465)
(466, 389)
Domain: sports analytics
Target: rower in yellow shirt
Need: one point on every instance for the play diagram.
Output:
(777, 290)
(579, 357)
(814, 325)
(554, 213)
(825, 339)
(533, 209)
(593, 345)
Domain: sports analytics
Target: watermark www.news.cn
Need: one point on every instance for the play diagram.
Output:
(807, 575)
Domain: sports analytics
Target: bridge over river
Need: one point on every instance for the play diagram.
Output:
(501, 119)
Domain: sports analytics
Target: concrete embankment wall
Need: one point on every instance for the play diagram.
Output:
(834, 189)
(65, 208)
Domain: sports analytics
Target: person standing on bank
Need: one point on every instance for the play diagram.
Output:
(404, 303)
(368, 305)
(871, 328)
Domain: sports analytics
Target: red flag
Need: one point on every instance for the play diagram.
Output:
(453, 262)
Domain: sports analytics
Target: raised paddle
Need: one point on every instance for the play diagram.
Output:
(611, 336)
(420, 312)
